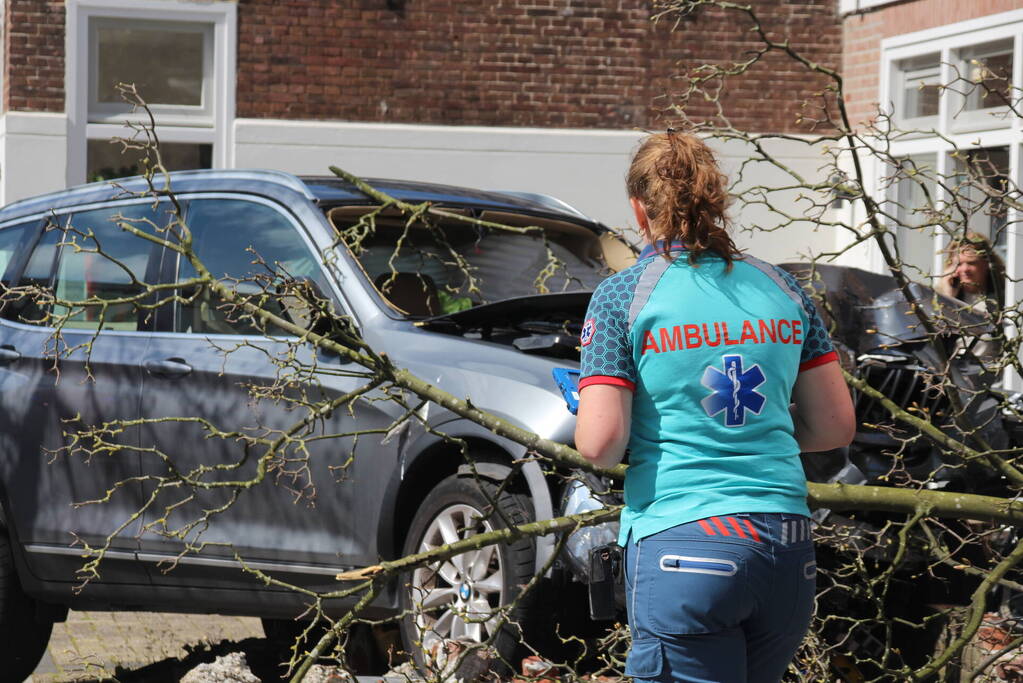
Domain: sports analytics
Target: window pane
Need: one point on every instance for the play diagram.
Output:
(981, 185)
(250, 246)
(103, 265)
(409, 265)
(921, 89)
(915, 212)
(38, 273)
(106, 162)
(921, 98)
(164, 63)
(990, 80)
(10, 239)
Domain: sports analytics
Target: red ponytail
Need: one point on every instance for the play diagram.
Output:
(677, 179)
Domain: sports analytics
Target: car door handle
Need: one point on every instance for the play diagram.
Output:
(8, 354)
(168, 367)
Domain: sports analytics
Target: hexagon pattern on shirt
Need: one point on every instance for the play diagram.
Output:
(609, 352)
(816, 341)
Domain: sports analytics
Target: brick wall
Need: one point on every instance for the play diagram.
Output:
(33, 78)
(544, 63)
(587, 63)
(862, 36)
(776, 90)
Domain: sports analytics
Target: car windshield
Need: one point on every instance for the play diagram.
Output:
(449, 265)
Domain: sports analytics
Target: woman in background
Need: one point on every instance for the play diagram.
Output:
(975, 274)
(715, 371)
(973, 271)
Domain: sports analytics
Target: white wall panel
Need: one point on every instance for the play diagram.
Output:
(585, 168)
(33, 154)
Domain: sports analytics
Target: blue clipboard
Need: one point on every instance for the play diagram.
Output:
(567, 380)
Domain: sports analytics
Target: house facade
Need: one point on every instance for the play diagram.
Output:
(528, 95)
(942, 78)
(938, 81)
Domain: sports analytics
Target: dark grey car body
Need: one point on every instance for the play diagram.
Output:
(155, 371)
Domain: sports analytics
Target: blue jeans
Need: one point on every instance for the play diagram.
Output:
(720, 600)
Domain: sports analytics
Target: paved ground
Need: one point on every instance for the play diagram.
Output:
(147, 647)
(98, 646)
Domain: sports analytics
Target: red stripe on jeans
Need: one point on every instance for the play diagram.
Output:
(720, 526)
(735, 525)
(752, 530)
(706, 528)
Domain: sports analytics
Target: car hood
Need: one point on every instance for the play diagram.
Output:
(541, 324)
(498, 378)
(869, 311)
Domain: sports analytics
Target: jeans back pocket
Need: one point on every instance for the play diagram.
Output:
(690, 588)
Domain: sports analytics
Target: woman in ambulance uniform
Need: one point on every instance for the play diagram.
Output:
(715, 371)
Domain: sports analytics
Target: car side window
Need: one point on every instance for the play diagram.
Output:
(252, 247)
(11, 239)
(97, 263)
(101, 263)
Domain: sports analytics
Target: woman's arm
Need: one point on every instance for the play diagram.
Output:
(602, 427)
(823, 414)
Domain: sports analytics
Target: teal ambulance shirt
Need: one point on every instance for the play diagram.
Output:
(711, 357)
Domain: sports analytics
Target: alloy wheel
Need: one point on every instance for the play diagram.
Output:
(459, 598)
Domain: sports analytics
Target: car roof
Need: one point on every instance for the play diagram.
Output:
(318, 189)
(331, 188)
(268, 183)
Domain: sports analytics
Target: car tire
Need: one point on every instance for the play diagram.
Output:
(23, 636)
(453, 603)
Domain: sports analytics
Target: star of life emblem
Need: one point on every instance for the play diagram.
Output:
(734, 390)
(589, 328)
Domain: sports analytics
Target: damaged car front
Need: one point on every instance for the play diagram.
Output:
(918, 388)
(482, 294)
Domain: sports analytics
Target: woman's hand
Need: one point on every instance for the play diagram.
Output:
(948, 284)
(602, 427)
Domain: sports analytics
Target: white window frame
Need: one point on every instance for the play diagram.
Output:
(174, 124)
(950, 42)
(900, 77)
(969, 120)
(168, 114)
(967, 130)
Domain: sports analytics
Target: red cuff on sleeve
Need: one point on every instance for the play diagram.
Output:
(819, 360)
(606, 379)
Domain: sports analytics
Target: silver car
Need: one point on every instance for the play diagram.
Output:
(384, 488)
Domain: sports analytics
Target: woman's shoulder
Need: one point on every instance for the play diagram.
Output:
(618, 290)
(629, 275)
